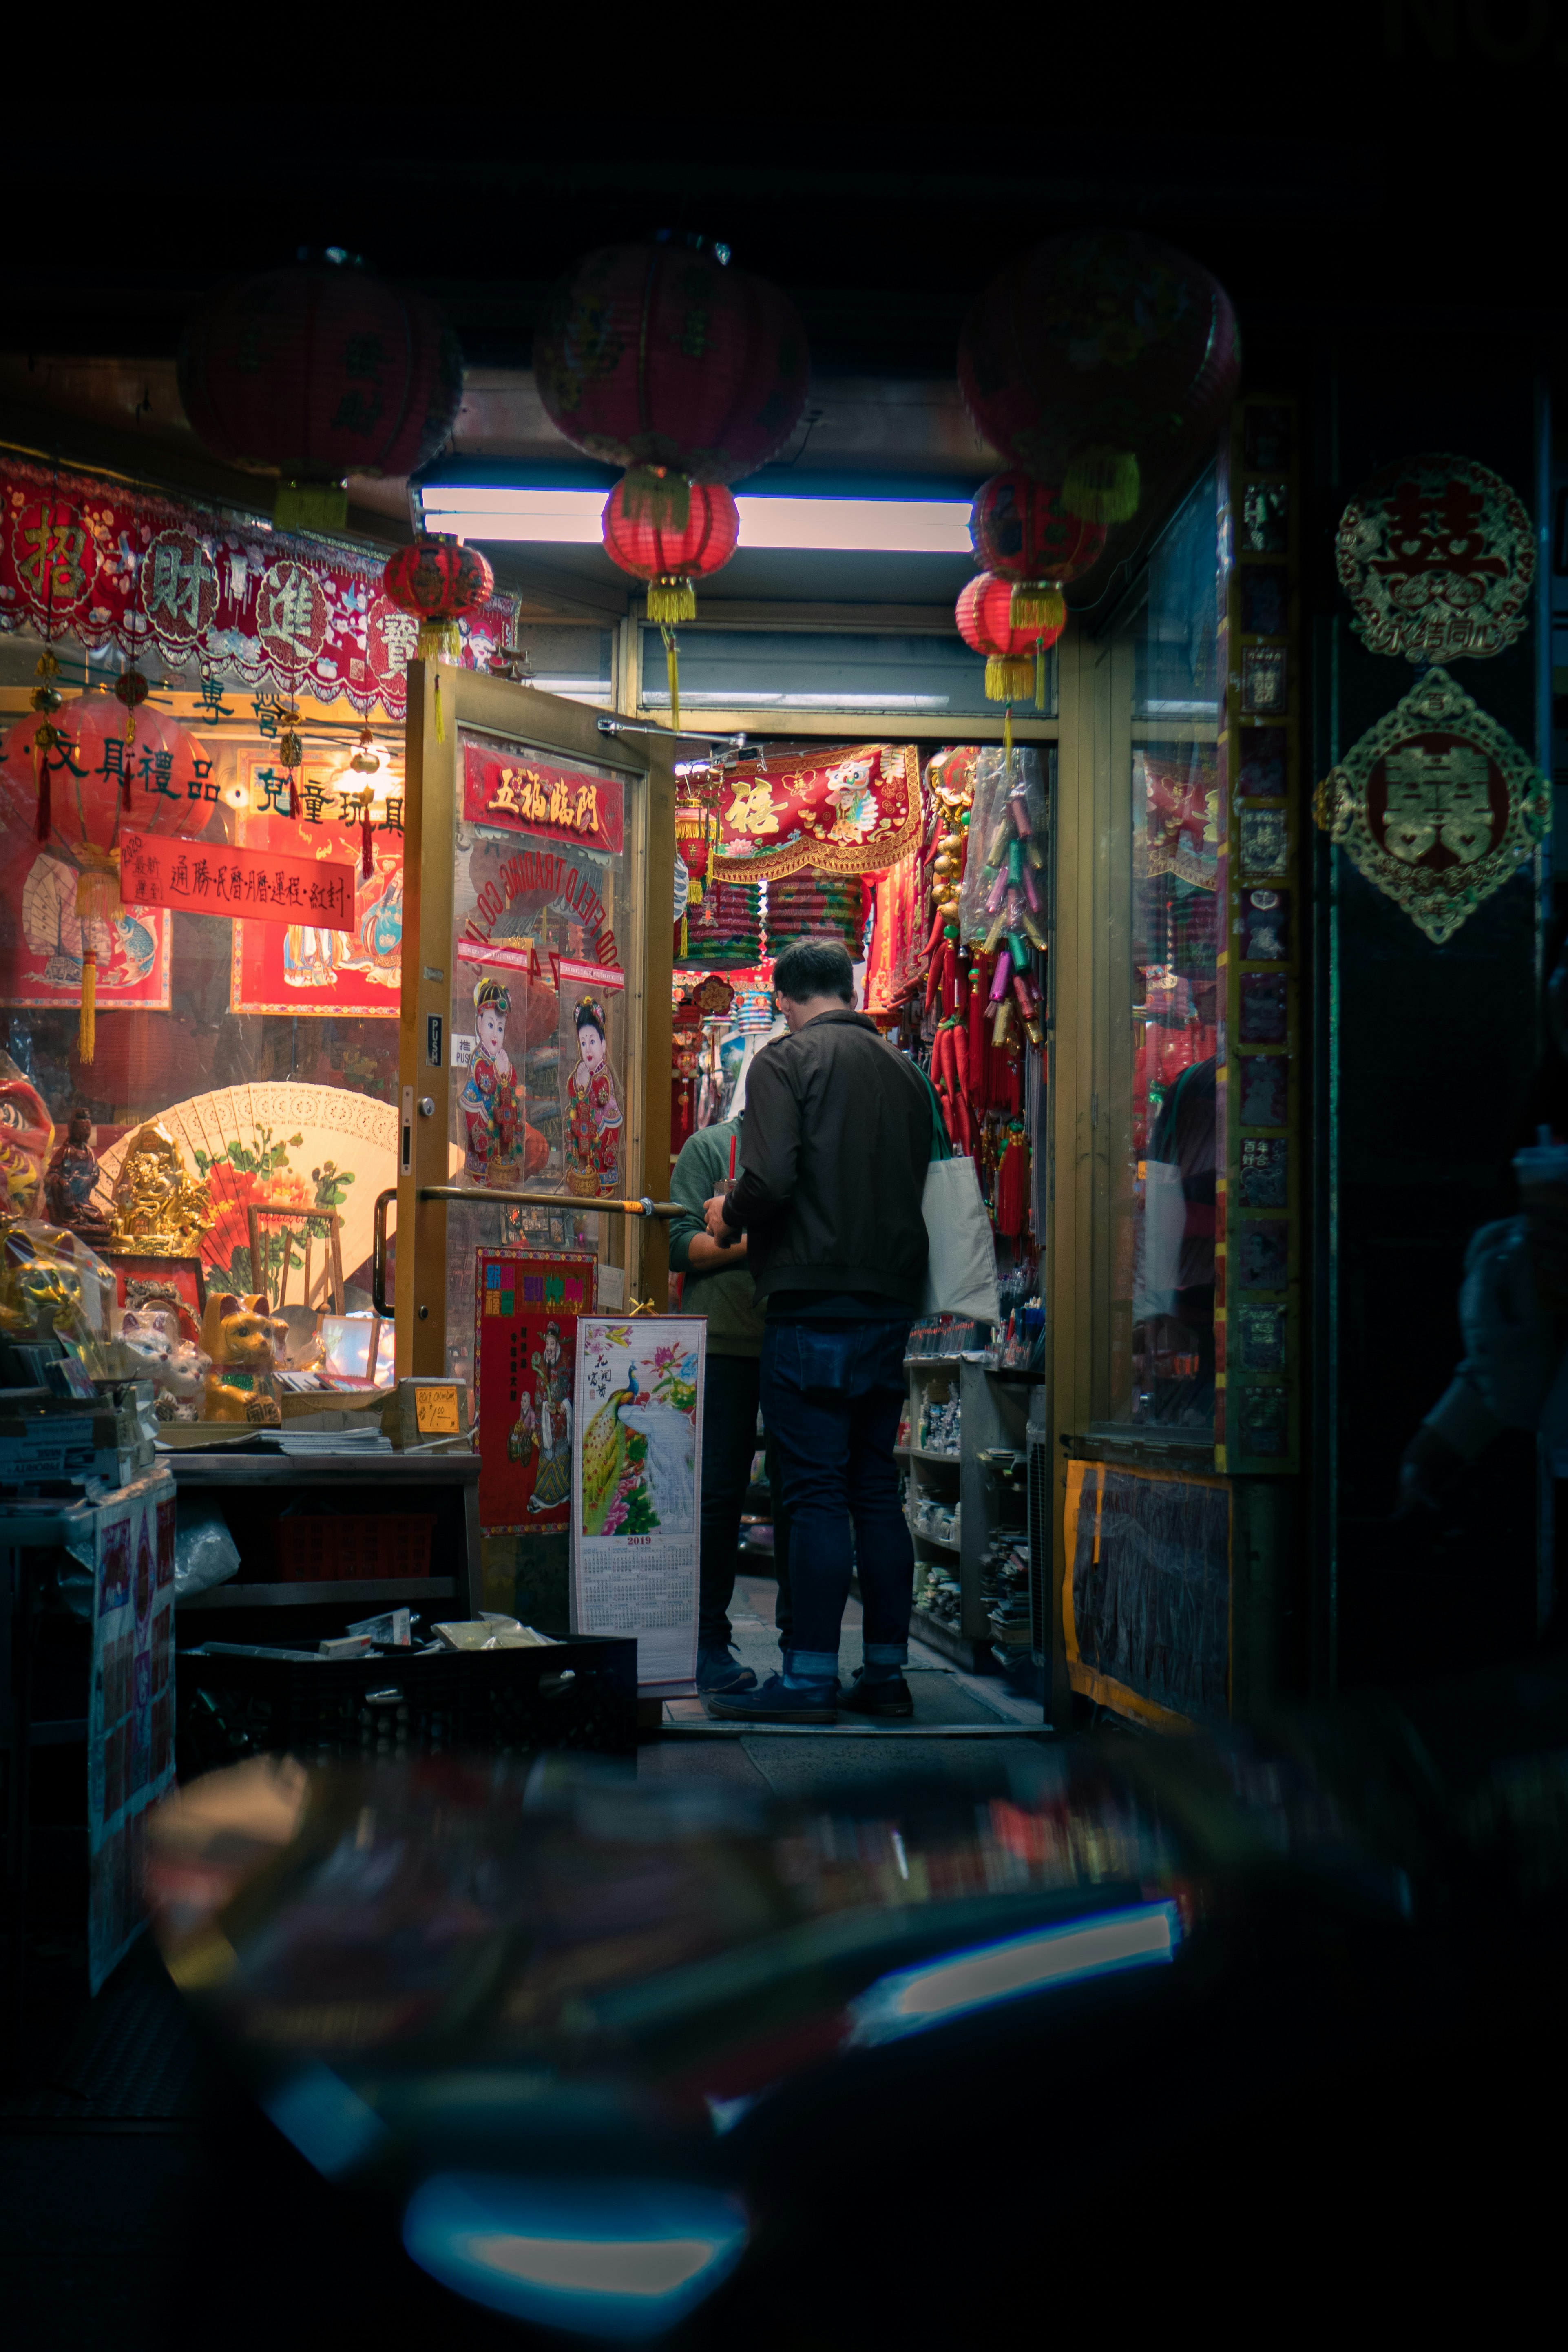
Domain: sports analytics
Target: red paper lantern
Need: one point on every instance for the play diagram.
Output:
(1019, 528)
(442, 581)
(1095, 355)
(661, 357)
(69, 777)
(317, 372)
(986, 623)
(671, 558)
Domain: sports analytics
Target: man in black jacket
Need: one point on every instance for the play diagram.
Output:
(838, 1138)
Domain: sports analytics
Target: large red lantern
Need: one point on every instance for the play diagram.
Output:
(671, 558)
(69, 778)
(441, 581)
(317, 372)
(1019, 530)
(1096, 356)
(661, 358)
(1012, 653)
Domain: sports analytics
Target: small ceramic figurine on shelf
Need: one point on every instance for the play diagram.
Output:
(69, 1185)
(242, 1338)
(177, 1369)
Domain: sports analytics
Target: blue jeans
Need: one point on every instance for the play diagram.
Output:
(729, 1443)
(833, 1394)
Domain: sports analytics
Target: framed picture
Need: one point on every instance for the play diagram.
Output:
(175, 1282)
(527, 1303)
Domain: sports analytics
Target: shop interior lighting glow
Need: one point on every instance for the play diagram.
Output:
(570, 518)
(616, 2260)
(912, 2001)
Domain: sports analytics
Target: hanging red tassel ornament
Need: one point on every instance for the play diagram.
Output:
(1020, 531)
(366, 860)
(1012, 1182)
(129, 688)
(984, 622)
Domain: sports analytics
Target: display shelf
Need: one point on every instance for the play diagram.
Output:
(940, 1637)
(337, 1591)
(921, 1535)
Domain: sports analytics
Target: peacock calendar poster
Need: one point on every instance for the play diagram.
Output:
(637, 1480)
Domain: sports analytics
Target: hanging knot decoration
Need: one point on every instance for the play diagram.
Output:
(46, 699)
(1096, 360)
(290, 751)
(366, 856)
(317, 372)
(1013, 655)
(1020, 531)
(671, 556)
(131, 690)
(442, 582)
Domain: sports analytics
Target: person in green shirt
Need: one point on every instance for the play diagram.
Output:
(719, 1286)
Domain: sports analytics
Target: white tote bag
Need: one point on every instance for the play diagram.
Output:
(961, 1269)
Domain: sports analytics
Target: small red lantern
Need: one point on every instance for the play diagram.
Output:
(1094, 356)
(1019, 530)
(671, 558)
(441, 581)
(1013, 663)
(662, 358)
(316, 373)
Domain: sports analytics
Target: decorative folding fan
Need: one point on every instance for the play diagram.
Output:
(313, 1147)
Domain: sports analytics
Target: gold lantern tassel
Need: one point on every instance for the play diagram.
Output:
(1039, 678)
(97, 900)
(654, 494)
(670, 598)
(1036, 605)
(441, 639)
(672, 665)
(1102, 484)
(1009, 679)
(1007, 743)
(440, 722)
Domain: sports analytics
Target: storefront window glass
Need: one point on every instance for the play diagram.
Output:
(1163, 1167)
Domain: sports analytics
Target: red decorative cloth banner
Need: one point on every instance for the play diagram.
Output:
(847, 809)
(506, 786)
(199, 879)
(131, 570)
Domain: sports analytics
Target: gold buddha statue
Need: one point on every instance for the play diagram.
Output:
(159, 1211)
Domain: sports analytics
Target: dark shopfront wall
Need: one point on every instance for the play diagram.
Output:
(1424, 1058)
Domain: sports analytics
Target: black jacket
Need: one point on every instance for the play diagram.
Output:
(838, 1138)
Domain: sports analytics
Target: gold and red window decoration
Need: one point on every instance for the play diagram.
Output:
(315, 963)
(1437, 557)
(844, 809)
(128, 572)
(509, 787)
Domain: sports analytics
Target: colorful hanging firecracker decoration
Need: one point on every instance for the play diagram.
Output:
(1099, 358)
(662, 358)
(672, 558)
(317, 372)
(1020, 530)
(1012, 1182)
(1015, 656)
(1014, 902)
(71, 771)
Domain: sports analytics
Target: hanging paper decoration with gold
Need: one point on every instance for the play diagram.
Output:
(62, 885)
(1015, 666)
(1437, 805)
(1019, 530)
(1437, 557)
(848, 809)
(317, 372)
(1096, 359)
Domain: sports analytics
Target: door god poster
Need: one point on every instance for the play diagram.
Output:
(525, 1347)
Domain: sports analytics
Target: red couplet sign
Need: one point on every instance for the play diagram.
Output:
(259, 884)
(507, 785)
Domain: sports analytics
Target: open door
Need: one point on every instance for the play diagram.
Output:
(535, 1050)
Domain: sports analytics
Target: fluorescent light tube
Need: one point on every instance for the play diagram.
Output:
(814, 525)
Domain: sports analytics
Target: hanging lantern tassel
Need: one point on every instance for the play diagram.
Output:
(97, 901)
(440, 722)
(1038, 605)
(1009, 678)
(1102, 484)
(671, 598)
(366, 860)
(659, 496)
(672, 667)
(441, 639)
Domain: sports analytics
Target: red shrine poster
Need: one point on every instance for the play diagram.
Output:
(526, 1305)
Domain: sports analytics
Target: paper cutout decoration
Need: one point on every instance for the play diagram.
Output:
(1437, 557)
(1437, 805)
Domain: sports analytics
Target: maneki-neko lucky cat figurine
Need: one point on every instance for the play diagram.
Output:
(242, 1338)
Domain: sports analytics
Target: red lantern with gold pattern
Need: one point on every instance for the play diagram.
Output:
(317, 372)
(671, 558)
(441, 581)
(1095, 358)
(662, 358)
(1013, 654)
(1019, 528)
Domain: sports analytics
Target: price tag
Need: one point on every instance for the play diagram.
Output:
(435, 1410)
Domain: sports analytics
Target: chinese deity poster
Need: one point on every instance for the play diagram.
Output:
(525, 1346)
(294, 966)
(636, 1516)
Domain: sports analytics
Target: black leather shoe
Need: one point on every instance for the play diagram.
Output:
(889, 1698)
(719, 1670)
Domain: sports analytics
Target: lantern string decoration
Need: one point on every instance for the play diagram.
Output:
(671, 556)
(1097, 358)
(1014, 654)
(317, 372)
(1020, 530)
